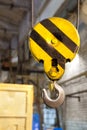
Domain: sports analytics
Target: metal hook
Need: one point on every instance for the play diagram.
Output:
(55, 103)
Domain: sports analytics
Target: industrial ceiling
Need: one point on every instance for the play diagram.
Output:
(17, 18)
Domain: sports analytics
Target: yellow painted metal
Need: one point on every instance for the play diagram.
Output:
(65, 41)
(16, 106)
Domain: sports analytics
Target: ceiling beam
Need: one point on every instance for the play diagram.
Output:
(50, 9)
(12, 6)
(7, 25)
(7, 20)
(22, 3)
(7, 31)
(67, 7)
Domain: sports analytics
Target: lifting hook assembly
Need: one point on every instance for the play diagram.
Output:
(54, 103)
(54, 42)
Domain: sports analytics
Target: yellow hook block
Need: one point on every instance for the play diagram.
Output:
(54, 41)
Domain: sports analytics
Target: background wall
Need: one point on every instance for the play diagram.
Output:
(74, 82)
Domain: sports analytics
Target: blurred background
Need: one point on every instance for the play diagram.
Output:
(17, 65)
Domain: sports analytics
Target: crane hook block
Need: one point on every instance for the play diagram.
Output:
(54, 103)
(54, 41)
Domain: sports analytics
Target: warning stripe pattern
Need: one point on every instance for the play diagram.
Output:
(59, 34)
(50, 50)
(47, 48)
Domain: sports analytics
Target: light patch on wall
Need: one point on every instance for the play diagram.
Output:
(73, 68)
(4, 76)
(14, 60)
(74, 65)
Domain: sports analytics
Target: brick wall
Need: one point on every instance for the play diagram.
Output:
(74, 112)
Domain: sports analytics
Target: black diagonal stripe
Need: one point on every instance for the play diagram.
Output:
(59, 35)
(48, 48)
